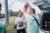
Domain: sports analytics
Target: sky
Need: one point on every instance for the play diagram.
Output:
(16, 5)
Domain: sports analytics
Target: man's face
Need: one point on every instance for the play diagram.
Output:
(31, 12)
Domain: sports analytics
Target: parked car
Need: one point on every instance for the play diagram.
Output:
(45, 19)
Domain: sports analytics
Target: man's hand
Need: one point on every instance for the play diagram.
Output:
(26, 5)
(25, 8)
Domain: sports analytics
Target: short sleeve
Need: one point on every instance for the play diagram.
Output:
(28, 17)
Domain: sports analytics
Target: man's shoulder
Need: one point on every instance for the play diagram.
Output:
(37, 16)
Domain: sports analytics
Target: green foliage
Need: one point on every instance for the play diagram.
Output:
(9, 28)
(11, 13)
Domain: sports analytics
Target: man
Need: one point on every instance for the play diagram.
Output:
(32, 25)
(2, 26)
(19, 21)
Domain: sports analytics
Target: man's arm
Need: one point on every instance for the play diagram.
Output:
(27, 16)
(24, 10)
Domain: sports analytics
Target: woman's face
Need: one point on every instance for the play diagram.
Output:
(20, 14)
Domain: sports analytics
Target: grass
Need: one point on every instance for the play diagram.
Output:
(9, 28)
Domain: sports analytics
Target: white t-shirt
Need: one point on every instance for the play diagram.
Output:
(17, 20)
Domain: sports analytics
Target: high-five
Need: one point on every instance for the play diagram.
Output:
(32, 25)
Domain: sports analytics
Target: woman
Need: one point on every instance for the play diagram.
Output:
(19, 21)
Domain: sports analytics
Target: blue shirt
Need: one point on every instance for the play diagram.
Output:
(1, 27)
(32, 26)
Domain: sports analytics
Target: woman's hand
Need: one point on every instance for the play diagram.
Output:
(20, 24)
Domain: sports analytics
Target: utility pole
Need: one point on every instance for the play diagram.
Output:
(6, 12)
